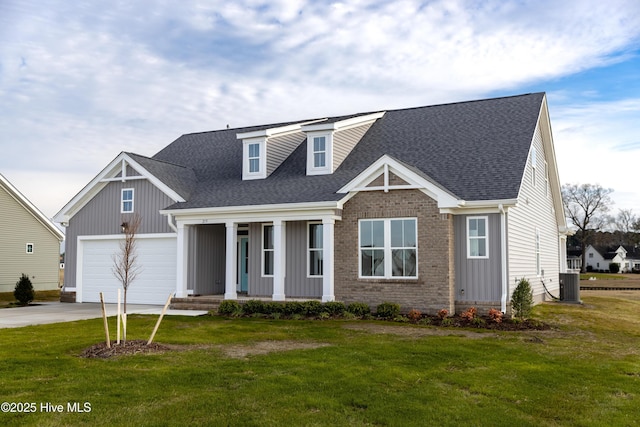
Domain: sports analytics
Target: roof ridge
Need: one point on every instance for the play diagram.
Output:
(157, 160)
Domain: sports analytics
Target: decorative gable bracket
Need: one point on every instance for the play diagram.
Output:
(387, 174)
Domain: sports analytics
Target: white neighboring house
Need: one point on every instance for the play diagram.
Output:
(626, 256)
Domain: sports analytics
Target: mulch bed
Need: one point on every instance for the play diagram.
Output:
(100, 350)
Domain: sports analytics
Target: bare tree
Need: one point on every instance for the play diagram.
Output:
(125, 265)
(587, 206)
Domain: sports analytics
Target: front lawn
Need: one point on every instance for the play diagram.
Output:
(253, 371)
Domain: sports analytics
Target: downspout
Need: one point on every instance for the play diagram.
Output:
(503, 256)
(171, 224)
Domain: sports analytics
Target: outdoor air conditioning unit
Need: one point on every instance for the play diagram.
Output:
(570, 288)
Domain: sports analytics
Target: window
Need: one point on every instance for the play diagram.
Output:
(477, 237)
(538, 266)
(267, 250)
(388, 248)
(127, 200)
(254, 158)
(319, 152)
(315, 250)
(29, 248)
(590, 254)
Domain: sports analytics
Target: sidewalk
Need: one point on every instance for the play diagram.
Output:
(56, 312)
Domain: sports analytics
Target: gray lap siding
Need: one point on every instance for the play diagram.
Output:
(434, 287)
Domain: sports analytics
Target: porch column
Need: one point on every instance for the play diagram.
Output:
(327, 260)
(230, 284)
(279, 259)
(182, 261)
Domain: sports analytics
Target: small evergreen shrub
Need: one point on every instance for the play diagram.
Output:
(293, 307)
(388, 310)
(253, 306)
(273, 307)
(334, 308)
(23, 291)
(312, 308)
(614, 267)
(522, 299)
(359, 309)
(447, 321)
(229, 308)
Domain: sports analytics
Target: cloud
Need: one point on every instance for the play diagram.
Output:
(80, 82)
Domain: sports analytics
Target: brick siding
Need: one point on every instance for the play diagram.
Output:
(434, 288)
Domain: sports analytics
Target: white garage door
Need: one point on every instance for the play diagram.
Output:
(155, 281)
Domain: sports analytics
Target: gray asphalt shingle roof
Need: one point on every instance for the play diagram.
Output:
(476, 150)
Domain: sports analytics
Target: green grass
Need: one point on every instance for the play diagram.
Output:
(584, 372)
(603, 276)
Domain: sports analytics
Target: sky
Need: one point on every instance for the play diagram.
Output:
(82, 81)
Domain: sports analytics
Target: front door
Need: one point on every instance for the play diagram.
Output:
(244, 264)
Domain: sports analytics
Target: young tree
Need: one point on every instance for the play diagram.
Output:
(23, 292)
(125, 265)
(587, 206)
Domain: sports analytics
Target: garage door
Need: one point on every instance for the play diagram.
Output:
(155, 281)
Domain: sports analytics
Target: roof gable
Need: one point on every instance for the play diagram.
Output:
(30, 207)
(173, 180)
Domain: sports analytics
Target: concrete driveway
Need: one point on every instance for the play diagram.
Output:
(56, 312)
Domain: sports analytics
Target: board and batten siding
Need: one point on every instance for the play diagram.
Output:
(535, 210)
(297, 284)
(101, 216)
(17, 228)
(207, 255)
(478, 280)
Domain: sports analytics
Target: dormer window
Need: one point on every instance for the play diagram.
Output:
(319, 151)
(255, 164)
(254, 158)
(319, 147)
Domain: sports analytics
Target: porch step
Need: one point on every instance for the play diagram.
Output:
(67, 296)
(195, 303)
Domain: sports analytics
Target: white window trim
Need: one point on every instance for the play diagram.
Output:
(309, 249)
(122, 200)
(486, 237)
(263, 250)
(388, 266)
(26, 248)
(328, 166)
(262, 164)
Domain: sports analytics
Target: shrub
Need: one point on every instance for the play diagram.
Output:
(358, 309)
(293, 307)
(312, 308)
(273, 307)
(470, 314)
(495, 315)
(478, 321)
(253, 306)
(229, 308)
(614, 267)
(23, 291)
(425, 321)
(447, 321)
(334, 308)
(414, 315)
(388, 310)
(443, 313)
(522, 299)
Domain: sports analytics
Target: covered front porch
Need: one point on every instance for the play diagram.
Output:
(272, 256)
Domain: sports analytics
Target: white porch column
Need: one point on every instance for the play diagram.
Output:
(327, 260)
(182, 261)
(231, 263)
(279, 259)
(563, 254)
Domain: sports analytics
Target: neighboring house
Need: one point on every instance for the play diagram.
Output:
(626, 256)
(445, 206)
(30, 242)
(574, 259)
